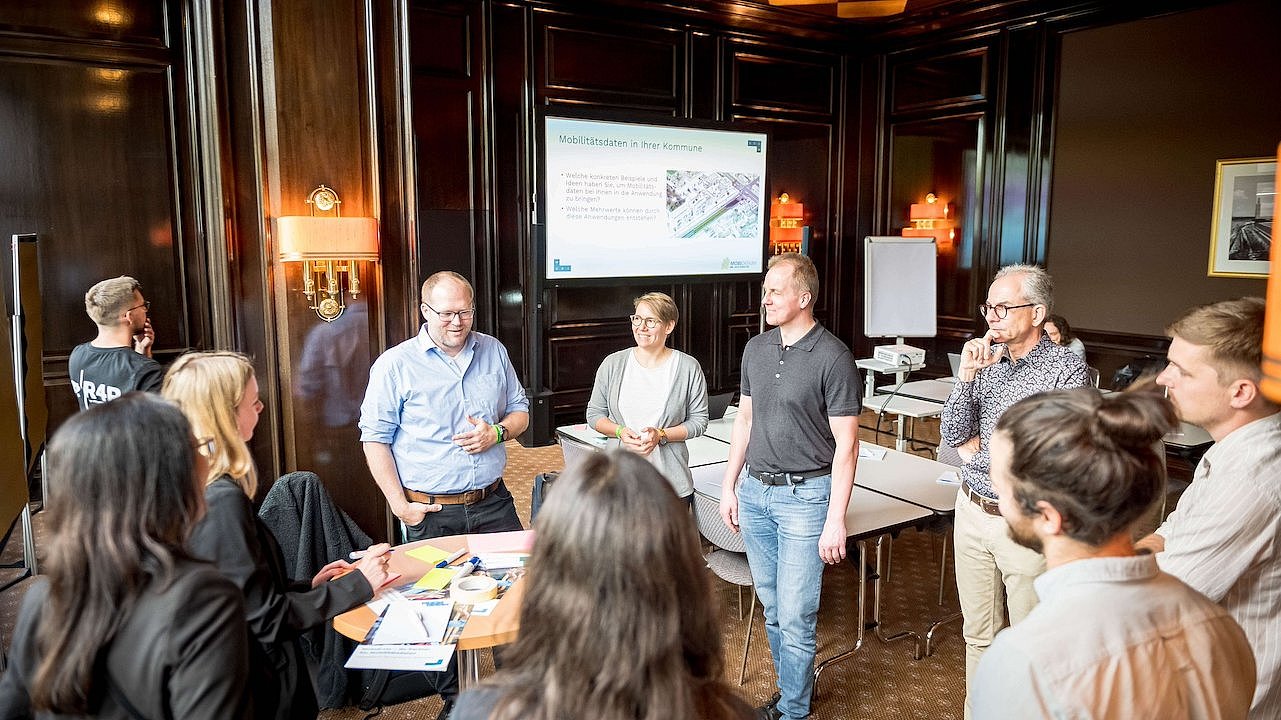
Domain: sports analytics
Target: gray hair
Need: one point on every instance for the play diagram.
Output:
(1038, 286)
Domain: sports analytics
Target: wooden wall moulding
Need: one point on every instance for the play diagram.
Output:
(939, 82)
(782, 85)
(610, 63)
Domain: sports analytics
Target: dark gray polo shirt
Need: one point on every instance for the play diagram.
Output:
(794, 391)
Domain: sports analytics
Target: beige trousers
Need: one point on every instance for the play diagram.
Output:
(992, 573)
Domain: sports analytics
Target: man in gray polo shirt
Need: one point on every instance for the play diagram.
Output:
(797, 432)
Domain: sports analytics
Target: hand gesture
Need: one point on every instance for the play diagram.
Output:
(477, 440)
(374, 565)
(831, 544)
(978, 354)
(413, 512)
(143, 341)
(329, 572)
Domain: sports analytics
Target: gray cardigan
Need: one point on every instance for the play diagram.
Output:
(686, 406)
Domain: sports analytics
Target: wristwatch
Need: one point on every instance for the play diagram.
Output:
(662, 436)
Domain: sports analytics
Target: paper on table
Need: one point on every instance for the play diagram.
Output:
(436, 579)
(949, 478)
(400, 624)
(503, 561)
(428, 554)
(401, 657)
(514, 541)
(871, 452)
(485, 608)
(435, 616)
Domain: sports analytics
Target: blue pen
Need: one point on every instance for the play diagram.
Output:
(466, 569)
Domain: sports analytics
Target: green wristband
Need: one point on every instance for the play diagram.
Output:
(498, 433)
(618, 431)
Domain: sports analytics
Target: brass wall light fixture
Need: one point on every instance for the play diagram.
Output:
(329, 247)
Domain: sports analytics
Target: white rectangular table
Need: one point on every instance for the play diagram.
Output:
(723, 428)
(903, 407)
(702, 450)
(932, 390)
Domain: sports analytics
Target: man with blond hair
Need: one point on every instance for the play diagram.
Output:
(119, 358)
(1225, 537)
(791, 470)
(1012, 360)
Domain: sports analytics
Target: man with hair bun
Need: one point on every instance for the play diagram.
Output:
(1113, 636)
(1225, 537)
(119, 358)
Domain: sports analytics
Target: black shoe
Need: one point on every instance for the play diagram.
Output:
(446, 710)
(769, 711)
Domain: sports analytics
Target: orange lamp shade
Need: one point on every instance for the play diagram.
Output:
(1271, 384)
(786, 220)
(303, 237)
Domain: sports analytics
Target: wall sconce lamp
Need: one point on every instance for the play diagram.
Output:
(930, 219)
(328, 246)
(787, 233)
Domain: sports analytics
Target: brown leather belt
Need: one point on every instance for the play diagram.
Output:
(987, 505)
(471, 497)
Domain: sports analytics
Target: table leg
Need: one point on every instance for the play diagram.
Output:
(876, 610)
(900, 439)
(468, 669)
(858, 641)
(929, 634)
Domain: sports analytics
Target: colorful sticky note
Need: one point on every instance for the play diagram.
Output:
(437, 579)
(428, 554)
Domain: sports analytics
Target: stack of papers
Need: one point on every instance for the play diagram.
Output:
(870, 452)
(407, 636)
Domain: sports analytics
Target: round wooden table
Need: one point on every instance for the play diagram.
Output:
(497, 628)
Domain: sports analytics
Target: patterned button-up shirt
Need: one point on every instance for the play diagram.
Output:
(974, 407)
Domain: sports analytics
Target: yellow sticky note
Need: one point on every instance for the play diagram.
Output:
(437, 579)
(428, 554)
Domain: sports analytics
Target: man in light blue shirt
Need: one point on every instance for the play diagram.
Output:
(435, 415)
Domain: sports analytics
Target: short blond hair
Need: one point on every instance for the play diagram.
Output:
(106, 300)
(804, 274)
(1232, 330)
(437, 278)
(208, 386)
(662, 303)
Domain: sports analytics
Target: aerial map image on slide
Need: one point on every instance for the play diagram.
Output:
(704, 204)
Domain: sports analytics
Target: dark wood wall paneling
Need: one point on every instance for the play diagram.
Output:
(96, 136)
(528, 59)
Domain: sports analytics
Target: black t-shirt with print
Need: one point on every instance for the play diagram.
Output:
(102, 374)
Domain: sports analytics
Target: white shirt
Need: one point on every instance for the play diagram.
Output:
(644, 391)
(1117, 638)
(1225, 540)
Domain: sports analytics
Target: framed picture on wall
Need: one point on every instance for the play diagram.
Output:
(1241, 233)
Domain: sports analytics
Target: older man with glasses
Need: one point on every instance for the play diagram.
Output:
(1013, 360)
(436, 412)
(119, 358)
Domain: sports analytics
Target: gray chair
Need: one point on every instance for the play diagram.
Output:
(728, 560)
(1094, 375)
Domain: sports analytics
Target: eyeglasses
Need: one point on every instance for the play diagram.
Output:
(145, 304)
(649, 323)
(1001, 311)
(449, 315)
(205, 446)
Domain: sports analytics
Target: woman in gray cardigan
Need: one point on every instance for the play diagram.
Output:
(651, 398)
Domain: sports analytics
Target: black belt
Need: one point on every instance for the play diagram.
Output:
(787, 478)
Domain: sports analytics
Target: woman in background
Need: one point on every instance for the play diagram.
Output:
(652, 398)
(219, 394)
(1056, 326)
(617, 620)
(124, 623)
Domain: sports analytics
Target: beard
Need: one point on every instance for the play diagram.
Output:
(1023, 535)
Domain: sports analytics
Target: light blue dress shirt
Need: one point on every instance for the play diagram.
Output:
(419, 398)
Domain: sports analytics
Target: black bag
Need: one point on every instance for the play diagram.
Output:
(388, 687)
(542, 483)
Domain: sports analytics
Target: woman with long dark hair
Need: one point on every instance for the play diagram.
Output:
(124, 623)
(617, 620)
(219, 394)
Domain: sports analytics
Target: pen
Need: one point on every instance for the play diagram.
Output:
(449, 560)
(358, 554)
(466, 568)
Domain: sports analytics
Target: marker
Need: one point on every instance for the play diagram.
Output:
(358, 554)
(450, 560)
(466, 568)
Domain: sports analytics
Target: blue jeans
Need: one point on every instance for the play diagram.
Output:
(781, 526)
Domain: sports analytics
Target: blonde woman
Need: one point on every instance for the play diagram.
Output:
(219, 394)
(651, 398)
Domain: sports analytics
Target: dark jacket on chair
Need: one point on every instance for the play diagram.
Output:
(312, 531)
(278, 609)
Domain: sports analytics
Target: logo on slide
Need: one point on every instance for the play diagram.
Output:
(754, 144)
(558, 267)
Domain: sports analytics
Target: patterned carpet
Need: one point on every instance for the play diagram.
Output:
(881, 682)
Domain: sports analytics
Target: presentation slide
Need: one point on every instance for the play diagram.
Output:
(633, 200)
